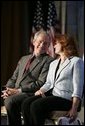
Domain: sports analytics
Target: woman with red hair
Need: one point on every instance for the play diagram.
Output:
(65, 78)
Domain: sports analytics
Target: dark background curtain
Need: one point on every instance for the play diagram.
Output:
(16, 22)
(16, 26)
(16, 29)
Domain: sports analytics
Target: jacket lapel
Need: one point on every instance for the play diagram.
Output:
(67, 61)
(24, 64)
(32, 66)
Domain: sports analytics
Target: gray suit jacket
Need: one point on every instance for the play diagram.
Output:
(35, 76)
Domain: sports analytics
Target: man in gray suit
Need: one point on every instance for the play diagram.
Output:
(23, 84)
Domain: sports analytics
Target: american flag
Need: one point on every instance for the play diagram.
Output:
(51, 25)
(45, 18)
(38, 22)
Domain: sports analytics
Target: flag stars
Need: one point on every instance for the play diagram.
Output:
(40, 21)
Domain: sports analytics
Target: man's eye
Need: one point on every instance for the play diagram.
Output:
(44, 42)
(41, 42)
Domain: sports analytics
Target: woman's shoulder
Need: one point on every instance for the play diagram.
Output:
(76, 59)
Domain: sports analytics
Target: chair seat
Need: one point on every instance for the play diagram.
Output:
(3, 111)
(4, 120)
(56, 114)
(53, 117)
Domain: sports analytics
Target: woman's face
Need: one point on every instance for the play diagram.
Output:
(57, 47)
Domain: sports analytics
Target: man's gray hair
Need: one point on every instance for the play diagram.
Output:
(40, 32)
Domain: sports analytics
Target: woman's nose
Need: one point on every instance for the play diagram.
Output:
(54, 46)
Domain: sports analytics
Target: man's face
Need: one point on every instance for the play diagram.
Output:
(40, 44)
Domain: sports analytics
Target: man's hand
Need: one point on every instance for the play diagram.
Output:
(8, 92)
(5, 94)
(12, 91)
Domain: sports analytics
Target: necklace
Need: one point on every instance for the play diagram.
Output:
(61, 62)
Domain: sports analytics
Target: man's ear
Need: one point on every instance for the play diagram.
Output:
(33, 42)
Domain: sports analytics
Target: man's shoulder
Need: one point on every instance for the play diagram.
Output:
(26, 56)
(23, 58)
(49, 59)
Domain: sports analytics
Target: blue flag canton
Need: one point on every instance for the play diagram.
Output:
(38, 17)
(52, 15)
(45, 16)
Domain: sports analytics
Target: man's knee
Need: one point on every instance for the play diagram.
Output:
(8, 102)
(24, 106)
